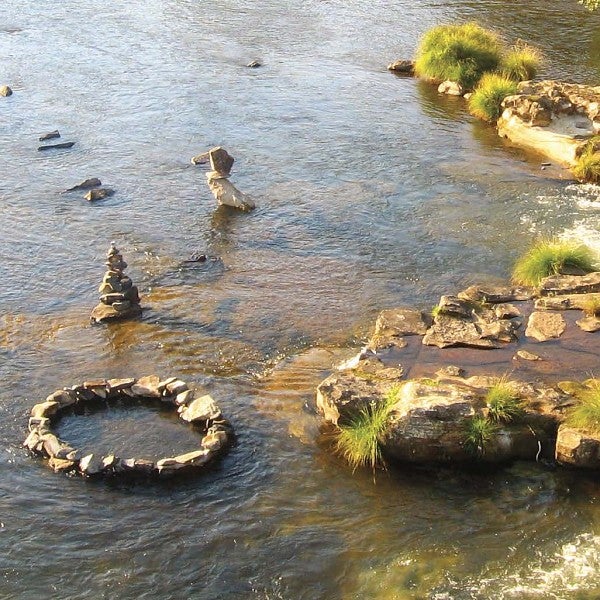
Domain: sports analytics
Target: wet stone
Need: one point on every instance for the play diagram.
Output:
(99, 194)
(589, 324)
(544, 326)
(220, 160)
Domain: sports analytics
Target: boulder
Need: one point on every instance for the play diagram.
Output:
(451, 88)
(203, 409)
(147, 387)
(402, 67)
(99, 194)
(589, 324)
(91, 464)
(341, 396)
(5, 91)
(577, 448)
(220, 161)
(544, 326)
(448, 331)
(226, 193)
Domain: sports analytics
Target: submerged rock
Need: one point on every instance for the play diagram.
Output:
(56, 146)
(402, 67)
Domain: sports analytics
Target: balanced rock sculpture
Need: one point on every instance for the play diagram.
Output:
(218, 181)
(119, 298)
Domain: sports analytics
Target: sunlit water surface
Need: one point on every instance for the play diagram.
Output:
(372, 191)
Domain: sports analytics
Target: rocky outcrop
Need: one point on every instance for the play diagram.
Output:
(217, 431)
(553, 118)
(438, 403)
(119, 298)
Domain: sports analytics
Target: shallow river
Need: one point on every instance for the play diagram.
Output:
(372, 192)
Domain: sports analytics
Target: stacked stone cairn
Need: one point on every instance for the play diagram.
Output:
(218, 180)
(119, 298)
(199, 410)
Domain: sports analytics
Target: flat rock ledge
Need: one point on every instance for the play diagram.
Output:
(444, 363)
(551, 117)
(199, 410)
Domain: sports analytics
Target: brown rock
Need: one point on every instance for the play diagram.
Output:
(570, 284)
(220, 160)
(147, 387)
(544, 326)
(403, 67)
(589, 324)
(577, 448)
(200, 409)
(5, 91)
(450, 331)
(61, 464)
(99, 194)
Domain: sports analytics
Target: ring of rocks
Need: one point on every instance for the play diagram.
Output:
(201, 411)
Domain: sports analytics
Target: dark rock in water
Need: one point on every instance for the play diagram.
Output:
(200, 159)
(196, 257)
(254, 64)
(84, 185)
(55, 146)
(99, 194)
(5, 91)
(220, 160)
(403, 67)
(49, 136)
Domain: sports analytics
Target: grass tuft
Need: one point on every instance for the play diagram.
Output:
(488, 96)
(521, 62)
(478, 432)
(460, 53)
(587, 168)
(503, 402)
(358, 441)
(551, 257)
(591, 306)
(586, 415)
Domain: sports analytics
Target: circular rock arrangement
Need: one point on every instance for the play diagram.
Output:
(201, 411)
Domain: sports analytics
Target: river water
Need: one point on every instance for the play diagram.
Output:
(372, 192)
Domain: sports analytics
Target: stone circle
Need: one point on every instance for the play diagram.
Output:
(192, 407)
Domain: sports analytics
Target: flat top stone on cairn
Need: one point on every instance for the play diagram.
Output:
(119, 298)
(220, 161)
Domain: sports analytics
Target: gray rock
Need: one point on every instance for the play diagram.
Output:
(450, 331)
(525, 355)
(544, 326)
(99, 194)
(398, 322)
(91, 464)
(496, 294)
(577, 448)
(589, 324)
(200, 409)
(175, 388)
(226, 193)
(49, 136)
(184, 397)
(254, 64)
(147, 387)
(570, 284)
(506, 311)
(86, 184)
(56, 146)
(220, 161)
(200, 159)
(402, 67)
(451, 88)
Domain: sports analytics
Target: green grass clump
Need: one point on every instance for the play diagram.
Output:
(586, 415)
(460, 53)
(521, 62)
(358, 441)
(503, 402)
(551, 257)
(588, 164)
(488, 96)
(591, 306)
(478, 432)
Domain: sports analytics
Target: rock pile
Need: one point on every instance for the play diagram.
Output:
(217, 178)
(119, 298)
(200, 411)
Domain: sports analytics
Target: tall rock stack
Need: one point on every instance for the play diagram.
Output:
(119, 298)
(218, 181)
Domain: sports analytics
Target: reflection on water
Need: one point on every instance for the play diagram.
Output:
(372, 191)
